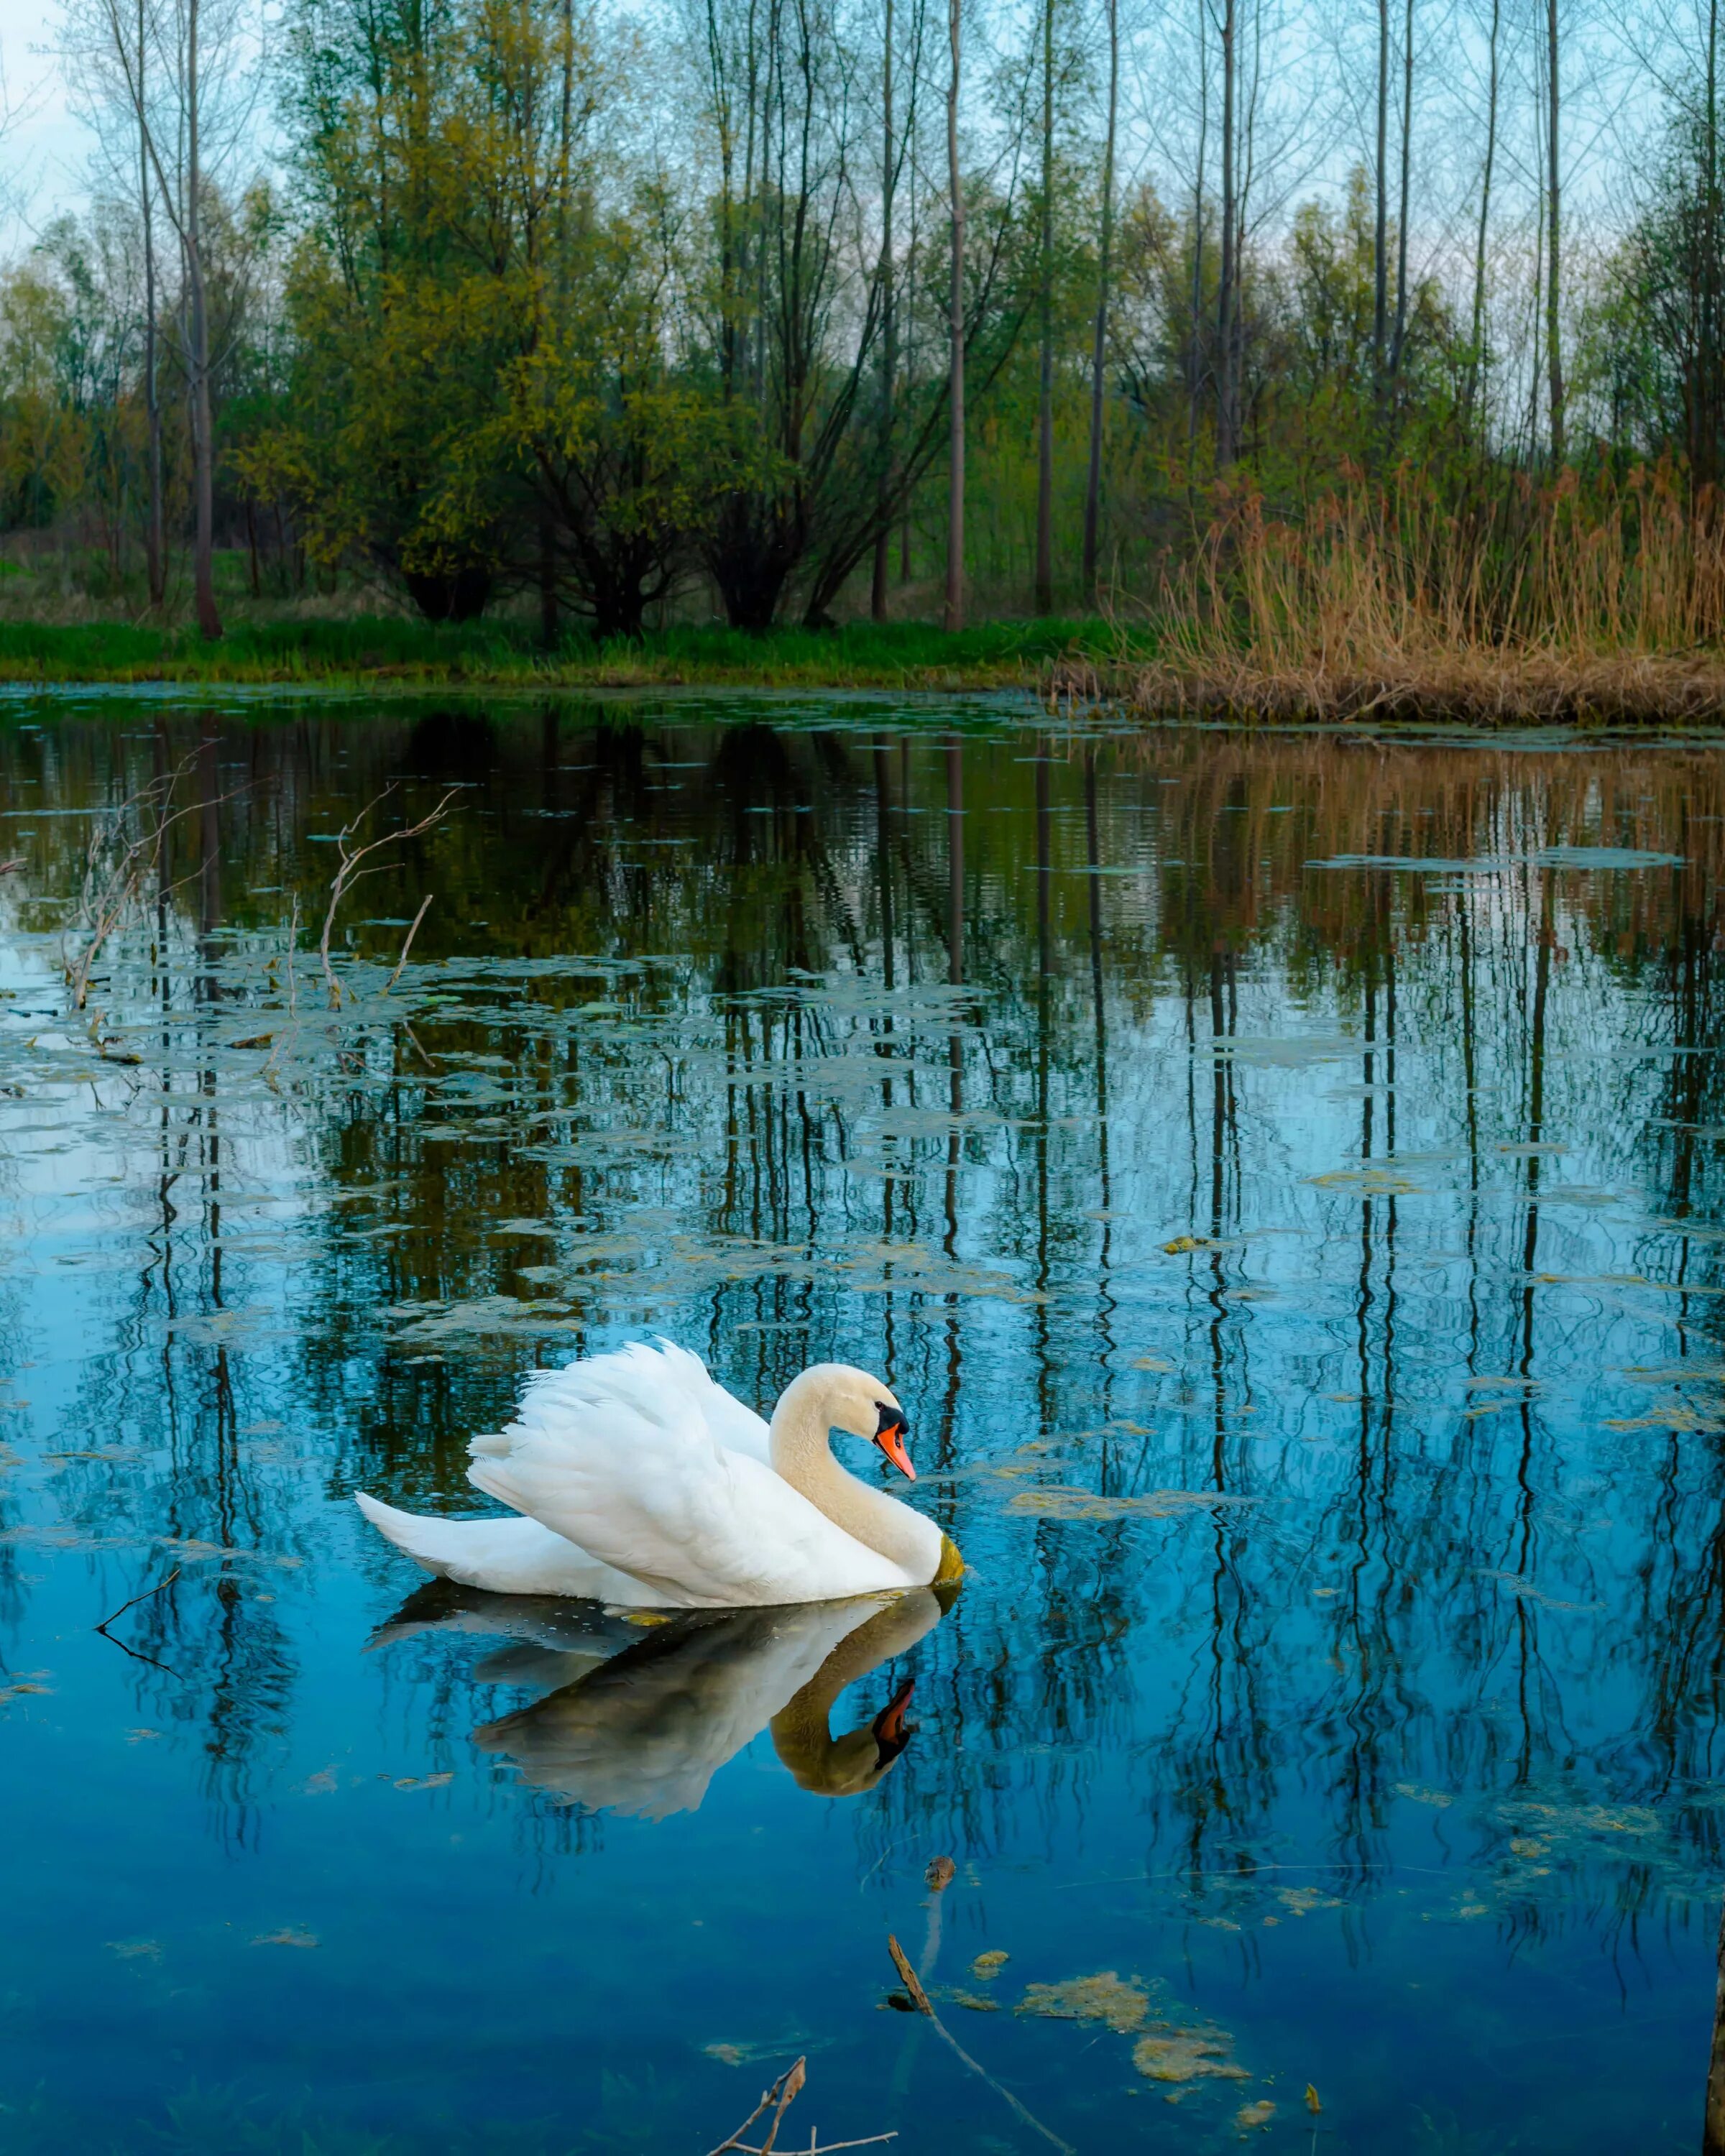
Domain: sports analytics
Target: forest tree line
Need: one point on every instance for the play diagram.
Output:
(784, 308)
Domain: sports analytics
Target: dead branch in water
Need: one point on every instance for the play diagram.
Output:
(351, 870)
(779, 2100)
(137, 1598)
(920, 2001)
(137, 1653)
(117, 868)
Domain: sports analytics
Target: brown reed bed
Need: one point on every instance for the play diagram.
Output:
(1602, 609)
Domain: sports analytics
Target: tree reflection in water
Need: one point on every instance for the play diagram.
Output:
(1282, 1173)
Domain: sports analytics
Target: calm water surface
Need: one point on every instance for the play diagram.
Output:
(1282, 1177)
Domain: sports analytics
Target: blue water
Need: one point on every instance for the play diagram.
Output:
(1281, 1176)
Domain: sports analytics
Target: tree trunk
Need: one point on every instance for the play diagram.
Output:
(954, 614)
(548, 626)
(1195, 388)
(1044, 388)
(889, 332)
(155, 552)
(1708, 407)
(209, 621)
(1227, 442)
(1380, 238)
(1099, 356)
(1401, 232)
(1554, 284)
(1477, 363)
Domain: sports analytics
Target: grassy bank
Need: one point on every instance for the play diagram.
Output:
(383, 650)
(1285, 625)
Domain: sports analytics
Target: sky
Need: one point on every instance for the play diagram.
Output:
(43, 156)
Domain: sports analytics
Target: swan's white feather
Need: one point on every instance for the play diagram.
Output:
(634, 1474)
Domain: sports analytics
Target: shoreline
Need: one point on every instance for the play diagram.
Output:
(1066, 667)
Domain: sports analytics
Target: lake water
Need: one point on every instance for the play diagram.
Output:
(1282, 1176)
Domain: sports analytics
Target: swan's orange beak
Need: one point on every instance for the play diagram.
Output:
(892, 1732)
(890, 1438)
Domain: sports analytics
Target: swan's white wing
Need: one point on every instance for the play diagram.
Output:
(652, 1380)
(514, 1556)
(645, 1734)
(625, 1463)
(519, 1555)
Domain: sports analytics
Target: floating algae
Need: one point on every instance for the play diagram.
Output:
(1059, 1502)
(1122, 2002)
(1170, 2051)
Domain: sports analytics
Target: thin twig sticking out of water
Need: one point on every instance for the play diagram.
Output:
(920, 2001)
(134, 1652)
(779, 2100)
(407, 941)
(113, 882)
(350, 871)
(137, 1598)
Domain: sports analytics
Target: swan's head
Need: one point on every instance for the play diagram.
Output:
(851, 1400)
(850, 1765)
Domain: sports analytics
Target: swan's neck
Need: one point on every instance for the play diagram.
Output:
(802, 1732)
(802, 1455)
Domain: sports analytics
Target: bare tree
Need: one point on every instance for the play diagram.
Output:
(191, 224)
(1380, 240)
(888, 326)
(1402, 216)
(178, 69)
(106, 52)
(1045, 398)
(1199, 217)
(1099, 354)
(954, 614)
(1554, 200)
(155, 548)
(1476, 362)
(1227, 296)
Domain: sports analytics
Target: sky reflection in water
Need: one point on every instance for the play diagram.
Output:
(1280, 1176)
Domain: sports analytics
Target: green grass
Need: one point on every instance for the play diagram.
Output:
(382, 649)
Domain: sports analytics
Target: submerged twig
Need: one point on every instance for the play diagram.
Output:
(920, 2001)
(778, 2099)
(420, 1049)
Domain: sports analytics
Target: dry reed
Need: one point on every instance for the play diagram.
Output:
(1607, 607)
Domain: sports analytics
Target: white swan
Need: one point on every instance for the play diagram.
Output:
(642, 1483)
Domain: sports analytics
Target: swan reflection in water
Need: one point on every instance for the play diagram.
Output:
(640, 1729)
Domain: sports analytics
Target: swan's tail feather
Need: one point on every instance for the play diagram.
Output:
(435, 1544)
